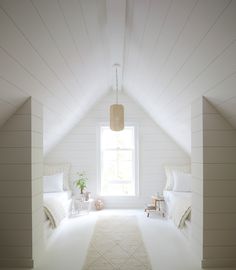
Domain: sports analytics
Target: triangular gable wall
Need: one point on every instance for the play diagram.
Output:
(80, 147)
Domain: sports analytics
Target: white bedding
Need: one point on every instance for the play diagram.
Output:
(54, 210)
(64, 197)
(56, 206)
(178, 206)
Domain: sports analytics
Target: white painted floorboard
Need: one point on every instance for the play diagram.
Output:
(168, 249)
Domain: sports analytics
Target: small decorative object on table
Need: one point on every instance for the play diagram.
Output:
(81, 207)
(156, 205)
(87, 195)
(82, 203)
(99, 204)
(81, 180)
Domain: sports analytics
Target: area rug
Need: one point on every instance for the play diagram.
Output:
(117, 244)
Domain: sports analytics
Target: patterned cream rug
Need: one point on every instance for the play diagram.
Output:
(117, 244)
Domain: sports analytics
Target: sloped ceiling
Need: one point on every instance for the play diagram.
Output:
(171, 52)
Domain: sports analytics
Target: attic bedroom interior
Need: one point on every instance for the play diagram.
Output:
(118, 134)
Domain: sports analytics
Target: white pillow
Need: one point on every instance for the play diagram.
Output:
(182, 181)
(169, 174)
(50, 169)
(169, 179)
(53, 183)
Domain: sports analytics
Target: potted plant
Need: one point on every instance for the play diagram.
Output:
(80, 182)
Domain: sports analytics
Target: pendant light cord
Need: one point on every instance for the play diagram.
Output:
(116, 86)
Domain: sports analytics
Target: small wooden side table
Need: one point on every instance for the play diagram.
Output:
(155, 205)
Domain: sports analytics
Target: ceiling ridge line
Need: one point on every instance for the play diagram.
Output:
(194, 49)
(59, 50)
(159, 34)
(200, 73)
(28, 95)
(126, 43)
(33, 76)
(207, 90)
(35, 50)
(141, 41)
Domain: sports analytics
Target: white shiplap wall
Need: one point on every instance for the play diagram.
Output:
(214, 186)
(171, 53)
(21, 156)
(156, 149)
(179, 51)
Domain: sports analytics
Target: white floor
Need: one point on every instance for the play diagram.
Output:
(167, 247)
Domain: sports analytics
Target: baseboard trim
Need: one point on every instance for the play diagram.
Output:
(16, 263)
(219, 263)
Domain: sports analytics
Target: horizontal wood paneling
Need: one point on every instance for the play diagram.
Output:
(21, 154)
(213, 165)
(156, 149)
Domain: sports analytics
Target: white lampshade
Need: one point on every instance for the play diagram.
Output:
(116, 117)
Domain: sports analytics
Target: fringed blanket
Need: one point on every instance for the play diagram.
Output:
(54, 211)
(181, 210)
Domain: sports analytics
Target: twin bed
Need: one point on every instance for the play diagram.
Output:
(57, 196)
(178, 196)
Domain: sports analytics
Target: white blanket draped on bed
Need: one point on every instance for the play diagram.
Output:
(54, 210)
(181, 211)
(178, 206)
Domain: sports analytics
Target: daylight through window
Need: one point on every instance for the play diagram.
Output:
(118, 161)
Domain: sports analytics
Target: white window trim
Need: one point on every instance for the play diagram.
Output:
(136, 169)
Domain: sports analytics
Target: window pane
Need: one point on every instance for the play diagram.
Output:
(117, 189)
(113, 139)
(117, 161)
(108, 138)
(125, 138)
(117, 165)
(125, 170)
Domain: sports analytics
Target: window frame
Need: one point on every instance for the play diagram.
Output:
(135, 164)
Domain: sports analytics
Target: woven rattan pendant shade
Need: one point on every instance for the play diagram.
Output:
(116, 111)
(117, 117)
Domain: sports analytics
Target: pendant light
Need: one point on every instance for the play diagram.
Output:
(116, 110)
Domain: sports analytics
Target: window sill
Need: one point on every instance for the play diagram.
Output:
(118, 196)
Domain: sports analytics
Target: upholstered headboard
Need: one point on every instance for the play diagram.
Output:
(50, 169)
(169, 177)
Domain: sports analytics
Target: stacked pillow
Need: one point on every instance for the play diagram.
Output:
(52, 169)
(182, 181)
(53, 183)
(178, 178)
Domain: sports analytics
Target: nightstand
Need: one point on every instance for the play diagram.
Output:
(81, 206)
(156, 205)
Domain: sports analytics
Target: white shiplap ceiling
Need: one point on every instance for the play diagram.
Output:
(171, 52)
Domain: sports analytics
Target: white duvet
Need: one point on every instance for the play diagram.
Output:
(178, 206)
(57, 206)
(54, 210)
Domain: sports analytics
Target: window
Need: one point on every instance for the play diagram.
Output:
(117, 150)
